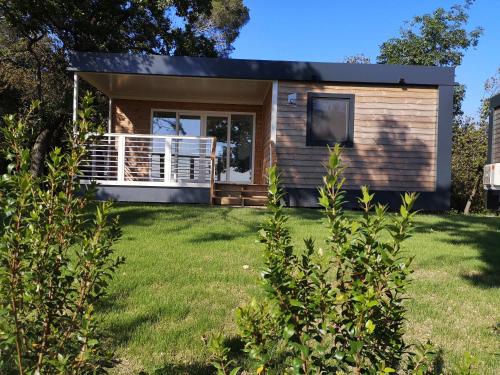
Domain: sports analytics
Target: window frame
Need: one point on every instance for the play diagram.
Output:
(350, 121)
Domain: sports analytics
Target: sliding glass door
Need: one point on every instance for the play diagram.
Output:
(234, 146)
(240, 153)
(217, 126)
(234, 134)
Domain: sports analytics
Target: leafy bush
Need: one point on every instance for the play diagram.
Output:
(337, 309)
(220, 356)
(55, 257)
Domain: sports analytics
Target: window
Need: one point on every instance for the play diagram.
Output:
(169, 123)
(190, 125)
(164, 123)
(330, 119)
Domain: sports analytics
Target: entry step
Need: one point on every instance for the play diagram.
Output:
(240, 194)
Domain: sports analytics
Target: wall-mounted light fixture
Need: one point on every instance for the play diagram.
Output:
(403, 84)
(292, 98)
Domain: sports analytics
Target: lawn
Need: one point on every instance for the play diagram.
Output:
(184, 277)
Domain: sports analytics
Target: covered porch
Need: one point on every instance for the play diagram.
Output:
(180, 139)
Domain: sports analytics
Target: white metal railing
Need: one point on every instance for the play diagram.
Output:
(154, 160)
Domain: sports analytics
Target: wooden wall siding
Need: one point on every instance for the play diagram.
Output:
(394, 138)
(496, 136)
(134, 117)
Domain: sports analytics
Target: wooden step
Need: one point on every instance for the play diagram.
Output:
(252, 201)
(255, 189)
(240, 194)
(252, 194)
(227, 201)
(225, 187)
(219, 194)
(252, 187)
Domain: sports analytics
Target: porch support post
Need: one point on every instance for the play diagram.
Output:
(75, 97)
(274, 121)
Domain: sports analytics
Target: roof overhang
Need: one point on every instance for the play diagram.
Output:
(203, 67)
(179, 89)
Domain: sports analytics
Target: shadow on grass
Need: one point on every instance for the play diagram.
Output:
(115, 301)
(186, 216)
(236, 354)
(244, 227)
(438, 362)
(189, 369)
(477, 232)
(145, 215)
(123, 331)
(183, 218)
(463, 230)
(216, 237)
(310, 214)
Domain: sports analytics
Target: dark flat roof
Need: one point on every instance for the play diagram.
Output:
(259, 69)
(495, 101)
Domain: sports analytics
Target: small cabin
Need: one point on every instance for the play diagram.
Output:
(205, 130)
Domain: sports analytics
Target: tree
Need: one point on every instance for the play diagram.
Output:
(491, 87)
(492, 84)
(180, 27)
(357, 59)
(437, 39)
(56, 256)
(468, 157)
(34, 71)
(37, 37)
(469, 153)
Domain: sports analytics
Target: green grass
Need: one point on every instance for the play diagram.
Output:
(184, 277)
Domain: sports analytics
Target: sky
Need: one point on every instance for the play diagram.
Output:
(329, 30)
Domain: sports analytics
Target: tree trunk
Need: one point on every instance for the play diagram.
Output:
(471, 196)
(41, 146)
(39, 152)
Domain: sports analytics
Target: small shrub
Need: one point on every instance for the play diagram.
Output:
(220, 356)
(55, 258)
(339, 308)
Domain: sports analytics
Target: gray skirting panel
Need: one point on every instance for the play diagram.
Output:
(428, 201)
(296, 197)
(493, 200)
(153, 194)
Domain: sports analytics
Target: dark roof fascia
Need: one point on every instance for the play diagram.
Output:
(495, 101)
(260, 69)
